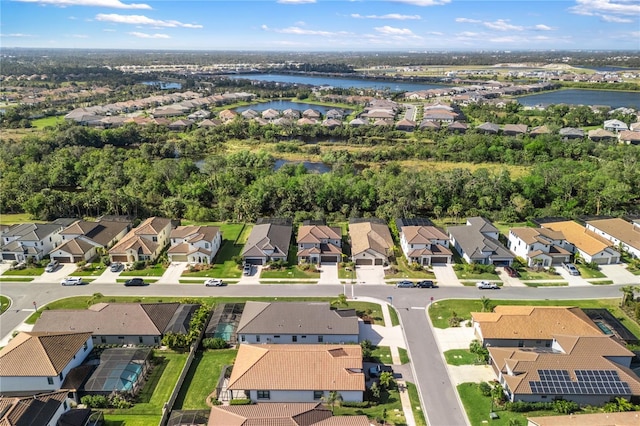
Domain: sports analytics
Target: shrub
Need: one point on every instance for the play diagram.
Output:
(138, 265)
(95, 401)
(117, 400)
(240, 402)
(565, 407)
(355, 404)
(485, 389)
(523, 407)
(214, 343)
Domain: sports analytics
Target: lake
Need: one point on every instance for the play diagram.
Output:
(311, 166)
(359, 83)
(614, 99)
(282, 105)
(164, 85)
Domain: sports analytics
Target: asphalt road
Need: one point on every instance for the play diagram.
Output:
(438, 395)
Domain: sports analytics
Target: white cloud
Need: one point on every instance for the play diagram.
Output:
(435, 33)
(79, 36)
(542, 27)
(467, 20)
(109, 30)
(611, 18)
(424, 2)
(17, 35)
(145, 35)
(304, 31)
(295, 1)
(606, 7)
(114, 4)
(395, 16)
(502, 25)
(468, 34)
(142, 20)
(394, 31)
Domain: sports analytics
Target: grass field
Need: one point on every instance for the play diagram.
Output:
(27, 272)
(289, 272)
(19, 280)
(382, 354)
(389, 403)
(601, 282)
(5, 303)
(460, 357)
(11, 219)
(463, 275)
(152, 271)
(418, 414)
(41, 123)
(224, 266)
(526, 274)
(589, 273)
(404, 356)
(202, 378)
(404, 271)
(394, 316)
(547, 284)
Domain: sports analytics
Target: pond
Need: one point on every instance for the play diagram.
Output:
(612, 98)
(282, 105)
(164, 85)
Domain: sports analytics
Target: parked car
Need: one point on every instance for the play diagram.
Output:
(512, 272)
(405, 284)
(52, 266)
(425, 284)
(377, 369)
(72, 281)
(214, 282)
(134, 282)
(247, 268)
(115, 267)
(571, 268)
(486, 285)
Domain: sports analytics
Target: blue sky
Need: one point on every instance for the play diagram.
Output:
(311, 25)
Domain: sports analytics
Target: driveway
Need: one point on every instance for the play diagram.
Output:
(63, 271)
(619, 274)
(370, 274)
(329, 273)
(253, 278)
(573, 280)
(445, 275)
(173, 273)
(509, 281)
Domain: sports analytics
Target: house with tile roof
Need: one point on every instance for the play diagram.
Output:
(540, 246)
(289, 414)
(625, 418)
(34, 361)
(297, 322)
(629, 137)
(32, 240)
(267, 242)
(589, 370)
(371, 242)
(514, 129)
(145, 242)
(297, 373)
(424, 244)
(488, 128)
(590, 246)
(615, 125)
(601, 135)
(120, 323)
(530, 326)
(568, 133)
(35, 410)
(194, 244)
(477, 242)
(624, 235)
(82, 239)
(319, 244)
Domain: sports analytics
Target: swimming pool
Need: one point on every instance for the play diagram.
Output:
(602, 326)
(224, 330)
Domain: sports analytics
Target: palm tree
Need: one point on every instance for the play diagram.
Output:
(332, 398)
(627, 294)
(486, 304)
(340, 301)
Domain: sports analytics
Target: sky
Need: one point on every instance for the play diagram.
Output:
(322, 25)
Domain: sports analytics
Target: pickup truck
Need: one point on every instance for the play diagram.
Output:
(377, 369)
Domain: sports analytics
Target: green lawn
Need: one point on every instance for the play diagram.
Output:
(244, 235)
(16, 279)
(394, 316)
(601, 282)
(527, 274)
(230, 231)
(382, 354)
(5, 302)
(152, 271)
(15, 218)
(404, 356)
(347, 274)
(376, 310)
(224, 266)
(41, 123)
(464, 275)
(290, 272)
(27, 272)
(547, 284)
(439, 312)
(389, 401)
(418, 414)
(460, 357)
(404, 271)
(202, 378)
(130, 420)
(92, 271)
(588, 272)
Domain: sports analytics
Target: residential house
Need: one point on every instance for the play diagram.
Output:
(423, 243)
(624, 235)
(120, 323)
(270, 114)
(34, 362)
(209, 123)
(477, 242)
(625, 418)
(34, 410)
(358, 122)
(458, 127)
(429, 125)
(615, 125)
(601, 135)
(331, 123)
(249, 114)
(540, 246)
(297, 373)
(488, 128)
(289, 414)
(568, 133)
(406, 125)
(590, 246)
(588, 370)
(311, 114)
(123, 369)
(371, 242)
(82, 239)
(291, 113)
(194, 244)
(297, 322)
(32, 240)
(319, 244)
(267, 242)
(539, 131)
(227, 115)
(145, 242)
(181, 124)
(530, 326)
(334, 114)
(440, 115)
(629, 137)
(514, 129)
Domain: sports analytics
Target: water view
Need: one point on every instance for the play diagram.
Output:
(311, 166)
(394, 86)
(614, 99)
(164, 85)
(282, 105)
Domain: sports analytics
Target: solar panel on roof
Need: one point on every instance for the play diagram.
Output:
(591, 382)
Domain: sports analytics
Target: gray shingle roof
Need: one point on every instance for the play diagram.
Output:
(268, 237)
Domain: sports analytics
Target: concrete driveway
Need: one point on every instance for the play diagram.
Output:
(254, 277)
(370, 274)
(329, 273)
(445, 275)
(63, 271)
(619, 274)
(509, 281)
(173, 273)
(573, 280)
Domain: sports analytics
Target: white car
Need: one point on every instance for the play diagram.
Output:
(72, 281)
(214, 282)
(486, 285)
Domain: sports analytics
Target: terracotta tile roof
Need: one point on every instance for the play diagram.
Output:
(620, 229)
(585, 240)
(534, 322)
(76, 247)
(281, 414)
(422, 234)
(578, 353)
(533, 235)
(629, 418)
(298, 367)
(135, 240)
(318, 233)
(370, 236)
(48, 353)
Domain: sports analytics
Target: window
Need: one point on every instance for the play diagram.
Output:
(276, 337)
(156, 340)
(103, 339)
(155, 239)
(50, 380)
(263, 394)
(304, 337)
(294, 338)
(521, 343)
(85, 346)
(206, 245)
(242, 339)
(320, 339)
(60, 376)
(121, 338)
(140, 340)
(318, 394)
(257, 338)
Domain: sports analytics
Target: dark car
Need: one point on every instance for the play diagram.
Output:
(425, 284)
(405, 284)
(247, 269)
(511, 271)
(378, 369)
(134, 282)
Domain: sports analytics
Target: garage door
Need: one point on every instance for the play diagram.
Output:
(438, 260)
(379, 261)
(364, 262)
(179, 258)
(328, 259)
(120, 258)
(501, 263)
(9, 256)
(63, 259)
(254, 261)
